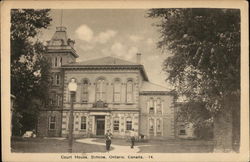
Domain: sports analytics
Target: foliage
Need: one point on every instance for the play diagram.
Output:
(29, 69)
(204, 53)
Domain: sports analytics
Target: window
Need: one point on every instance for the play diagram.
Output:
(55, 62)
(129, 124)
(116, 124)
(182, 132)
(85, 90)
(151, 126)
(73, 96)
(83, 123)
(158, 106)
(58, 100)
(158, 125)
(52, 123)
(53, 98)
(57, 79)
(117, 90)
(73, 93)
(151, 106)
(52, 79)
(100, 90)
(129, 91)
(60, 61)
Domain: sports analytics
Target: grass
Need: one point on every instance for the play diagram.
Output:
(48, 145)
(40, 145)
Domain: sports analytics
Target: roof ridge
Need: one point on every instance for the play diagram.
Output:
(112, 57)
(155, 84)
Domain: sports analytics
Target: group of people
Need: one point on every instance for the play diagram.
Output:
(108, 137)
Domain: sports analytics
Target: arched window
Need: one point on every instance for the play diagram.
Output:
(85, 90)
(158, 106)
(129, 91)
(151, 126)
(151, 106)
(117, 90)
(100, 90)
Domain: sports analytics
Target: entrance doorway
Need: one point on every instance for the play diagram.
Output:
(100, 125)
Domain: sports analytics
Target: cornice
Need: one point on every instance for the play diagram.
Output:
(72, 51)
(106, 67)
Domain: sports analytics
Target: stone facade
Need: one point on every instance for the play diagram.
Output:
(112, 94)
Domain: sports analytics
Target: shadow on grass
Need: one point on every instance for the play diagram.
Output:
(40, 145)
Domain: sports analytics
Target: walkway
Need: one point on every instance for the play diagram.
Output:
(116, 148)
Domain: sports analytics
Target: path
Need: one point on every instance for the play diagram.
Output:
(116, 148)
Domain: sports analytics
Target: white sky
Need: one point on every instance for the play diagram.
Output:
(112, 32)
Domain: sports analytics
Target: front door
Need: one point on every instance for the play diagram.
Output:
(100, 126)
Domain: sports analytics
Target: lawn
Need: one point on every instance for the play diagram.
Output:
(40, 145)
(168, 146)
(48, 145)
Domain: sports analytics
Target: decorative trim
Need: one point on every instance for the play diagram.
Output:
(96, 67)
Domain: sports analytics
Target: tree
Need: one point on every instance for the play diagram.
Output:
(29, 69)
(203, 63)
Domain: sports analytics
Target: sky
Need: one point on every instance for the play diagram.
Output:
(112, 32)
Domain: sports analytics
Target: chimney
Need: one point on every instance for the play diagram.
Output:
(138, 58)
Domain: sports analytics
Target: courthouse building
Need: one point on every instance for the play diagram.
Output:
(112, 94)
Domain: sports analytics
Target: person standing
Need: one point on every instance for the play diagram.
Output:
(108, 137)
(132, 138)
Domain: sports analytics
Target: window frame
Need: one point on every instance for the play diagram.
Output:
(117, 94)
(58, 78)
(158, 106)
(129, 94)
(55, 62)
(83, 123)
(151, 126)
(151, 109)
(101, 91)
(52, 122)
(129, 124)
(85, 93)
(116, 124)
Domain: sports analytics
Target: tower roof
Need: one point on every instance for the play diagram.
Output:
(60, 43)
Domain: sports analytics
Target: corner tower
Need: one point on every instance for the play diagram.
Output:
(60, 51)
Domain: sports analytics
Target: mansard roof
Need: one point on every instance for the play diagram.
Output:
(151, 88)
(108, 62)
(60, 43)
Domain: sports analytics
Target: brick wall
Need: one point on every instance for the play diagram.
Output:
(43, 124)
